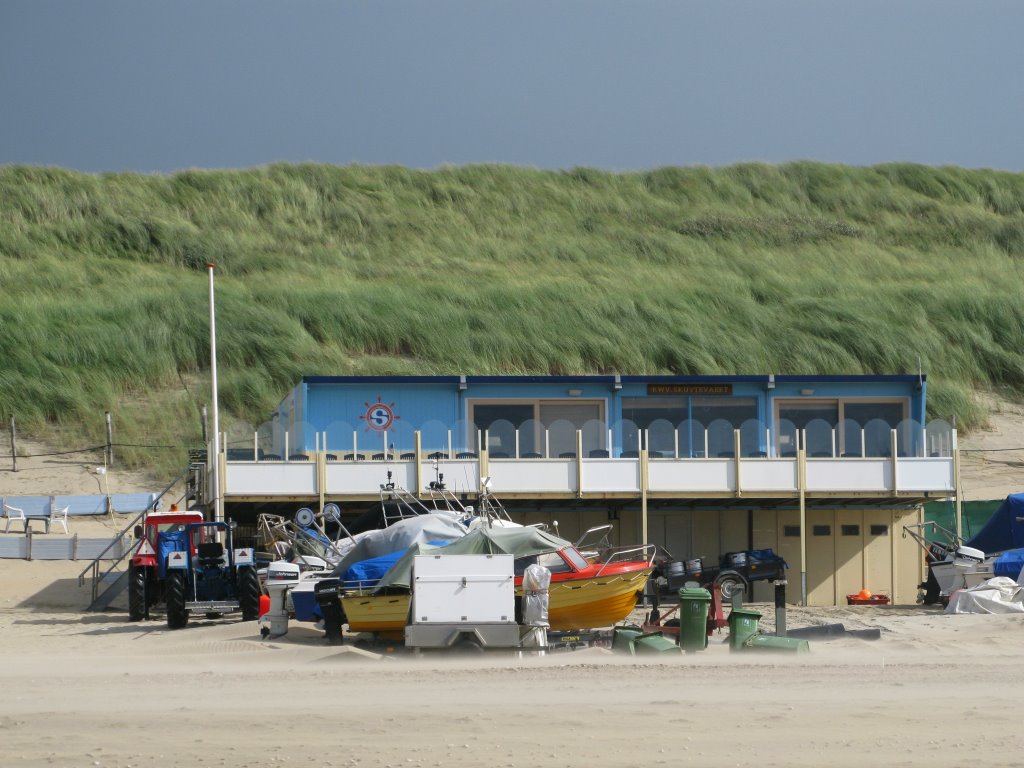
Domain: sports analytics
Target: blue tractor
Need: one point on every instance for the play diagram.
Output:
(205, 574)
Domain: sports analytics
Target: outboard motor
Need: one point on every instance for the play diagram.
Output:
(328, 597)
(281, 576)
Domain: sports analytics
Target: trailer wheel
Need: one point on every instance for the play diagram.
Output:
(469, 645)
(136, 593)
(730, 583)
(177, 615)
(249, 593)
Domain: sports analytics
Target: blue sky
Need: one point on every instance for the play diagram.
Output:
(144, 86)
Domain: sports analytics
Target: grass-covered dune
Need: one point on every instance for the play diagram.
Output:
(798, 268)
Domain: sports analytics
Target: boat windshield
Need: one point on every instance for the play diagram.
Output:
(553, 561)
(573, 556)
(563, 561)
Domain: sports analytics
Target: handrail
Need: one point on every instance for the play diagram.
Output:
(94, 566)
(612, 555)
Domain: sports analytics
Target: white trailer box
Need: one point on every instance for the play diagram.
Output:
(462, 598)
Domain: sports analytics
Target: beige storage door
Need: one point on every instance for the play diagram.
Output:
(706, 541)
(734, 530)
(909, 566)
(849, 548)
(788, 546)
(821, 580)
(766, 536)
(674, 527)
(878, 551)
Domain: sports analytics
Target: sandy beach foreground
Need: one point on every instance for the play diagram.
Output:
(94, 689)
(79, 689)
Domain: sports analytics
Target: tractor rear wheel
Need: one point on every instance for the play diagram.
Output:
(136, 593)
(177, 615)
(249, 593)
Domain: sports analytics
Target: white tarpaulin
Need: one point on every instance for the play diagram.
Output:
(998, 595)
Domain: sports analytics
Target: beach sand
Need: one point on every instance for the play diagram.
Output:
(93, 689)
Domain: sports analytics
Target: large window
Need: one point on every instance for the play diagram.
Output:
(838, 426)
(543, 427)
(644, 411)
(694, 416)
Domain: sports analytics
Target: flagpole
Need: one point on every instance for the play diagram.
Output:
(214, 459)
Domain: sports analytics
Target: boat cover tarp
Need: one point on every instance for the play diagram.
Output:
(399, 537)
(1009, 564)
(519, 542)
(370, 571)
(997, 595)
(1004, 530)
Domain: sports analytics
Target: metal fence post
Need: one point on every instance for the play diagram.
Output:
(110, 441)
(14, 447)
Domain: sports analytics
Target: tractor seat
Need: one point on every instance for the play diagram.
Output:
(211, 553)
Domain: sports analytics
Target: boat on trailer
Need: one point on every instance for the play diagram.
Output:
(583, 594)
(596, 587)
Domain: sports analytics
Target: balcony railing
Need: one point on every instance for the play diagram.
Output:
(914, 461)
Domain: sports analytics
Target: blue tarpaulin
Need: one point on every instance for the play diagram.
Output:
(167, 542)
(369, 571)
(1009, 564)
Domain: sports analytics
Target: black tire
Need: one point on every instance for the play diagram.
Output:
(468, 645)
(137, 607)
(932, 591)
(730, 583)
(177, 614)
(249, 593)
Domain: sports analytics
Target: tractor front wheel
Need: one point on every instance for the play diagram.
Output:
(177, 615)
(249, 593)
(136, 593)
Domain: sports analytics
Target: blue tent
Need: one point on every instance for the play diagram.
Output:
(1005, 529)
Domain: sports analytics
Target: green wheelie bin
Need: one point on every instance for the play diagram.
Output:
(693, 618)
(742, 627)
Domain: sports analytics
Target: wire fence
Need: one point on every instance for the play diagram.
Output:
(92, 449)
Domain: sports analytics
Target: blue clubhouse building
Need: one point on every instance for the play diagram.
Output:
(823, 469)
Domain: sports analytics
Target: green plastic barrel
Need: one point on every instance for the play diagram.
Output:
(623, 637)
(655, 642)
(773, 643)
(693, 618)
(742, 627)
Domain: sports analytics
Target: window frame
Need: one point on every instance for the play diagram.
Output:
(840, 403)
(538, 403)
